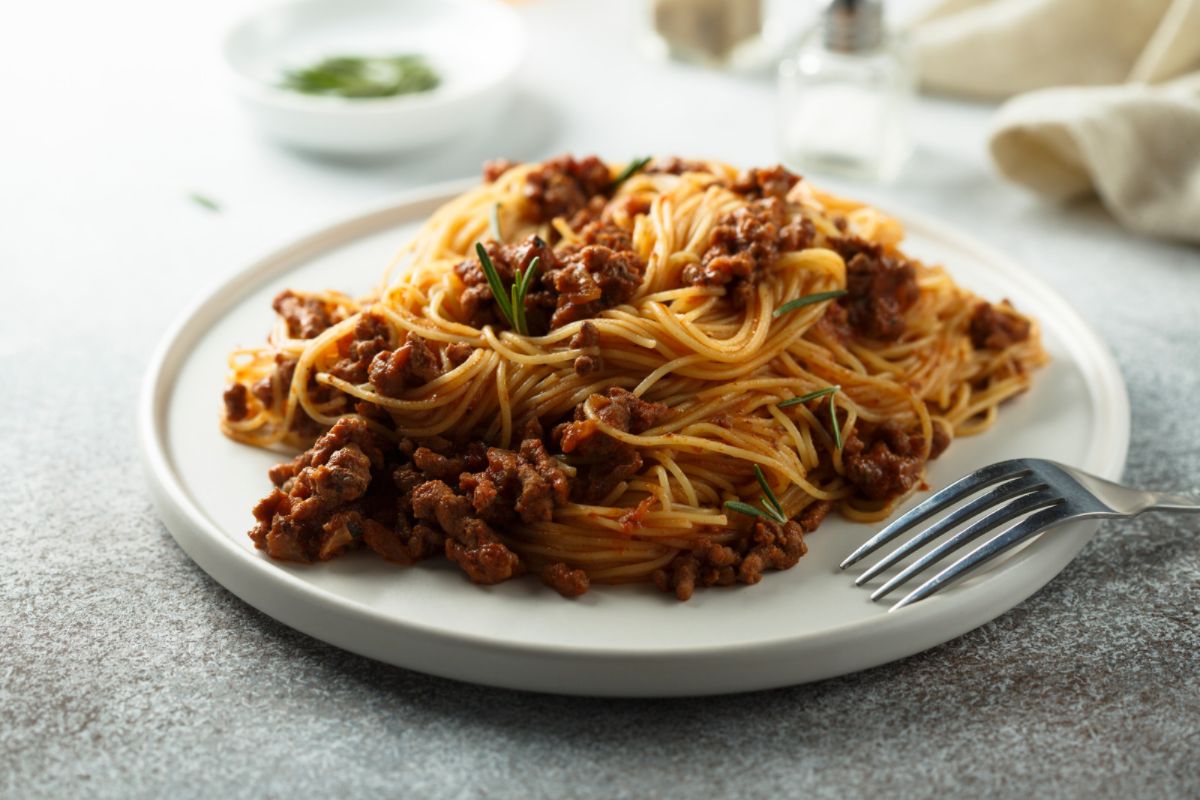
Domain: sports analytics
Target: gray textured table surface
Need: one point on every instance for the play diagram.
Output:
(126, 671)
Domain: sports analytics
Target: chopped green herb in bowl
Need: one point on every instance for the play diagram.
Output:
(359, 77)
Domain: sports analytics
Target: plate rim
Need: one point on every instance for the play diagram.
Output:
(206, 544)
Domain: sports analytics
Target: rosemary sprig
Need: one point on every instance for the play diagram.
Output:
(511, 302)
(632, 169)
(494, 222)
(520, 286)
(497, 287)
(804, 398)
(768, 501)
(808, 299)
(771, 509)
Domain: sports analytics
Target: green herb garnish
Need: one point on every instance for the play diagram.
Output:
(205, 202)
(829, 390)
(511, 302)
(808, 299)
(804, 398)
(363, 77)
(634, 167)
(494, 222)
(771, 509)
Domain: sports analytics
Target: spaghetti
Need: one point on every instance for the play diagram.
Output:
(713, 361)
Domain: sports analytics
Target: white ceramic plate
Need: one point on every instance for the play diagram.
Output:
(804, 624)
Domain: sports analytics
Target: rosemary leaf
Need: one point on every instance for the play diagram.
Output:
(521, 285)
(831, 391)
(804, 398)
(497, 286)
(771, 512)
(512, 301)
(807, 300)
(745, 508)
(517, 303)
(528, 277)
(632, 169)
(837, 430)
(770, 501)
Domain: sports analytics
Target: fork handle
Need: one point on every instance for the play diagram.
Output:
(1163, 501)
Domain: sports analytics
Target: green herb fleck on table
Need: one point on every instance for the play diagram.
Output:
(360, 77)
(771, 509)
(205, 202)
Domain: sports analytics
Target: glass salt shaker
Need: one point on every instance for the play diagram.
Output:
(844, 97)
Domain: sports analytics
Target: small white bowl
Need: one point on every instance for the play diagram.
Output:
(475, 46)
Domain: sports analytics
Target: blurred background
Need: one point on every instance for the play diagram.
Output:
(124, 137)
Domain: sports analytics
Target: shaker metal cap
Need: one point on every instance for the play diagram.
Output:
(853, 25)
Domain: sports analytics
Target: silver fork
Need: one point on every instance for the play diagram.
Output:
(1049, 492)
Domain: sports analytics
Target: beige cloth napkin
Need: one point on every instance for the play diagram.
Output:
(1124, 118)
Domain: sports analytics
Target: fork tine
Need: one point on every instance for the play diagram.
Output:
(962, 487)
(1046, 518)
(1022, 505)
(1004, 491)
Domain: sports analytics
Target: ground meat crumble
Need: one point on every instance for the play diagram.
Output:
(409, 504)
(997, 327)
(746, 243)
(767, 545)
(311, 514)
(759, 183)
(603, 461)
(564, 580)
(880, 289)
(265, 389)
(394, 371)
(236, 400)
(492, 170)
(371, 335)
(562, 186)
(571, 284)
(306, 317)
(883, 461)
